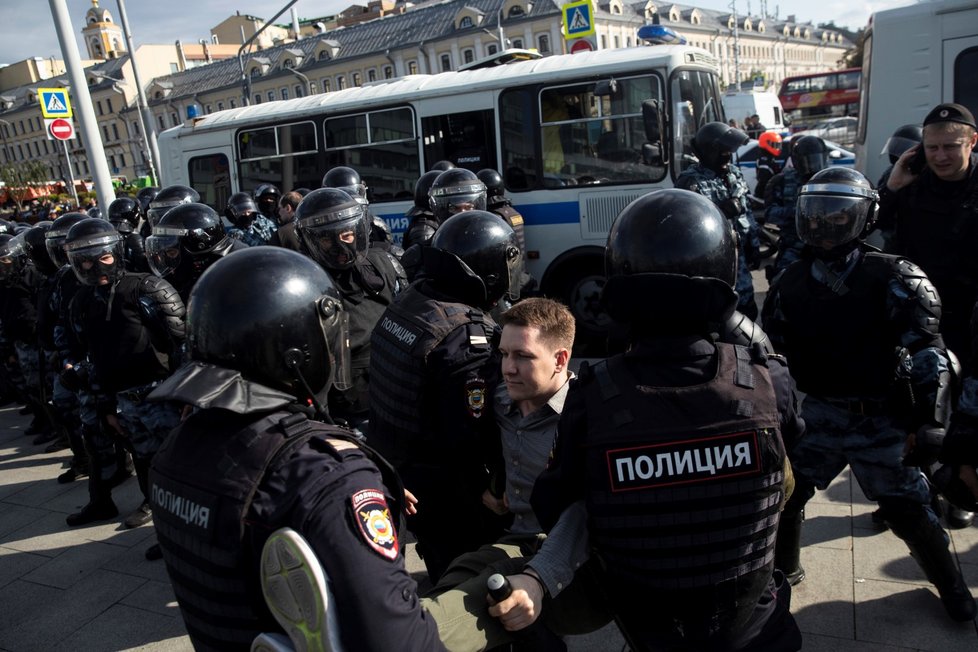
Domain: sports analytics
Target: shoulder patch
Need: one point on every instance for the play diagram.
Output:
(475, 397)
(373, 518)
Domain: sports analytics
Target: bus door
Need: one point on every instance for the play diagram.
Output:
(211, 174)
(960, 56)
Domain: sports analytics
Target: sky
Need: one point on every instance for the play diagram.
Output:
(28, 28)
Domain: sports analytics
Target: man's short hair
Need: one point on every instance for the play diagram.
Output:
(955, 128)
(290, 198)
(555, 321)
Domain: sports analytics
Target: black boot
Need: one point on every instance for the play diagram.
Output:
(929, 547)
(100, 506)
(787, 550)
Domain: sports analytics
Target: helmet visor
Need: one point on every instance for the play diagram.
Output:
(358, 191)
(96, 261)
(896, 145)
(450, 200)
(827, 221)
(809, 164)
(163, 252)
(336, 331)
(55, 244)
(158, 209)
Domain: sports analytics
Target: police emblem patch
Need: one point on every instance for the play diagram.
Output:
(475, 396)
(374, 520)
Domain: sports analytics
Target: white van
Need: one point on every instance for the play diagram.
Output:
(741, 104)
(914, 58)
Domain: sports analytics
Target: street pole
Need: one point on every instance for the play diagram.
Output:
(83, 104)
(145, 115)
(736, 35)
(71, 176)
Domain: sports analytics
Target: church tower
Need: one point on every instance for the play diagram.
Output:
(102, 36)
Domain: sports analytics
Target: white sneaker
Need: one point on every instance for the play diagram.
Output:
(294, 585)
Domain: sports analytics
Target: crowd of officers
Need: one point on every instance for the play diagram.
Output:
(337, 381)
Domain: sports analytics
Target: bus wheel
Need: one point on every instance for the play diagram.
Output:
(579, 286)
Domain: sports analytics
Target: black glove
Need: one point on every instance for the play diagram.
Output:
(75, 378)
(732, 207)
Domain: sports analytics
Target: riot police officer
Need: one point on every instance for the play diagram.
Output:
(497, 202)
(266, 198)
(247, 222)
(718, 180)
(248, 462)
(130, 327)
(421, 220)
(348, 180)
(905, 137)
(433, 369)
(860, 330)
(809, 154)
(186, 241)
(124, 216)
(683, 434)
(334, 232)
(143, 198)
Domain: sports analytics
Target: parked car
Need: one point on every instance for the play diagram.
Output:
(841, 130)
(746, 157)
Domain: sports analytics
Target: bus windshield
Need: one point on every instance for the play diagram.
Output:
(696, 101)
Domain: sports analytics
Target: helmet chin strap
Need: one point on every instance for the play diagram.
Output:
(292, 359)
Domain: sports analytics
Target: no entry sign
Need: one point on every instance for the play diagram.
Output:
(62, 129)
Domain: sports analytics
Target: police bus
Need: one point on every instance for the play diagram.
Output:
(575, 137)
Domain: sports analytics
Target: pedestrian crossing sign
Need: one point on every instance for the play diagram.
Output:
(578, 19)
(54, 102)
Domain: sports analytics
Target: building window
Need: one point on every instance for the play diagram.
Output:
(388, 72)
(122, 160)
(446, 62)
(356, 79)
(515, 12)
(617, 42)
(492, 48)
(271, 96)
(159, 119)
(135, 128)
(468, 55)
(175, 118)
(257, 98)
(115, 131)
(233, 103)
(298, 90)
(465, 23)
(255, 73)
(108, 104)
(543, 43)
(98, 107)
(518, 43)
(112, 162)
(105, 133)
(371, 75)
(604, 42)
(285, 93)
(412, 67)
(208, 109)
(325, 85)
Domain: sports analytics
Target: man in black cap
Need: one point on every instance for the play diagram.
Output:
(931, 201)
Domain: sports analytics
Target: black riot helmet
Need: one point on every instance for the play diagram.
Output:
(168, 198)
(809, 154)
(13, 258)
(34, 243)
(95, 211)
(275, 316)
(493, 181)
(332, 228)
(267, 196)
(54, 239)
(95, 252)
(477, 253)
(421, 189)
(715, 143)
(902, 139)
(835, 208)
(677, 245)
(454, 191)
(144, 197)
(443, 165)
(188, 239)
(347, 180)
(124, 214)
(241, 210)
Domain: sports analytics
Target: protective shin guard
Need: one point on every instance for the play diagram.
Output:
(787, 549)
(100, 505)
(929, 547)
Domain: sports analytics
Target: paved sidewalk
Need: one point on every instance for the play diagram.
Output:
(90, 589)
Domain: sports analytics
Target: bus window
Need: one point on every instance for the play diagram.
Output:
(467, 139)
(587, 135)
(381, 145)
(696, 101)
(210, 177)
(965, 79)
(519, 164)
(283, 155)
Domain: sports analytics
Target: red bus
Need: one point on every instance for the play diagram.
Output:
(809, 99)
